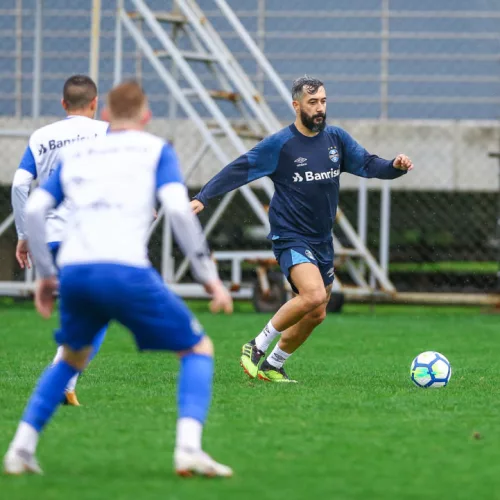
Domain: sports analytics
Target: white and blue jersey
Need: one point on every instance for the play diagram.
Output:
(111, 184)
(306, 176)
(39, 161)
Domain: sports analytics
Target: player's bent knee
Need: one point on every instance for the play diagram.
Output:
(77, 359)
(314, 299)
(205, 346)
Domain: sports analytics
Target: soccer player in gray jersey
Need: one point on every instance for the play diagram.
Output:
(304, 161)
(40, 158)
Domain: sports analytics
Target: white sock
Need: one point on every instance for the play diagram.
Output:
(277, 357)
(58, 355)
(188, 434)
(266, 337)
(26, 438)
(72, 383)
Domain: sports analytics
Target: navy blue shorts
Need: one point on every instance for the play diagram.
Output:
(92, 295)
(289, 253)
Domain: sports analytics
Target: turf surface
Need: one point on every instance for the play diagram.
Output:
(446, 267)
(354, 428)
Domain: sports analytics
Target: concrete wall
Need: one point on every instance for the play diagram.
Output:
(448, 155)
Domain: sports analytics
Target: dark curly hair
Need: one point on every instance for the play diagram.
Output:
(307, 84)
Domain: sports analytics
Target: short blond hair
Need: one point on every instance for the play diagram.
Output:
(126, 100)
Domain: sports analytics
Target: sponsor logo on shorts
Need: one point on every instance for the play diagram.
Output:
(309, 254)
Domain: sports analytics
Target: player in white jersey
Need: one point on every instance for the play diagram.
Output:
(105, 274)
(39, 161)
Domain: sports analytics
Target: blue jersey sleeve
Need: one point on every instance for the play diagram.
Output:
(168, 169)
(260, 161)
(28, 162)
(53, 185)
(359, 162)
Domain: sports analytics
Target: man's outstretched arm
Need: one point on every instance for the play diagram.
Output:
(359, 162)
(260, 161)
(231, 177)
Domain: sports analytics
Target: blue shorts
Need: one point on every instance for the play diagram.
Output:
(92, 295)
(289, 253)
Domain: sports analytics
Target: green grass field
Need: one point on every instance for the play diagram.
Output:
(354, 428)
(445, 267)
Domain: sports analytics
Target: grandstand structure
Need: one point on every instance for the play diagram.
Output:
(381, 58)
(219, 71)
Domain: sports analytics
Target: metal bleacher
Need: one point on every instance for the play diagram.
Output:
(406, 60)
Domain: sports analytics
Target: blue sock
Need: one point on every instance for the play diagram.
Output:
(97, 342)
(48, 394)
(195, 386)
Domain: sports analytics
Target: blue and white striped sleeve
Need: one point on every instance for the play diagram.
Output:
(47, 197)
(28, 162)
(168, 169)
(21, 184)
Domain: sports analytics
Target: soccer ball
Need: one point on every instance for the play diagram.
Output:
(430, 369)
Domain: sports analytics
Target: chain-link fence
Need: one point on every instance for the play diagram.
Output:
(421, 78)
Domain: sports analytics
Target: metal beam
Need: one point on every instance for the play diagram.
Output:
(231, 67)
(37, 61)
(6, 223)
(256, 52)
(118, 64)
(372, 264)
(95, 37)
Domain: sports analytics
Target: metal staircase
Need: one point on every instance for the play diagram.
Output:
(176, 43)
(187, 39)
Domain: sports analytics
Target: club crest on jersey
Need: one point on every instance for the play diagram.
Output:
(333, 154)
